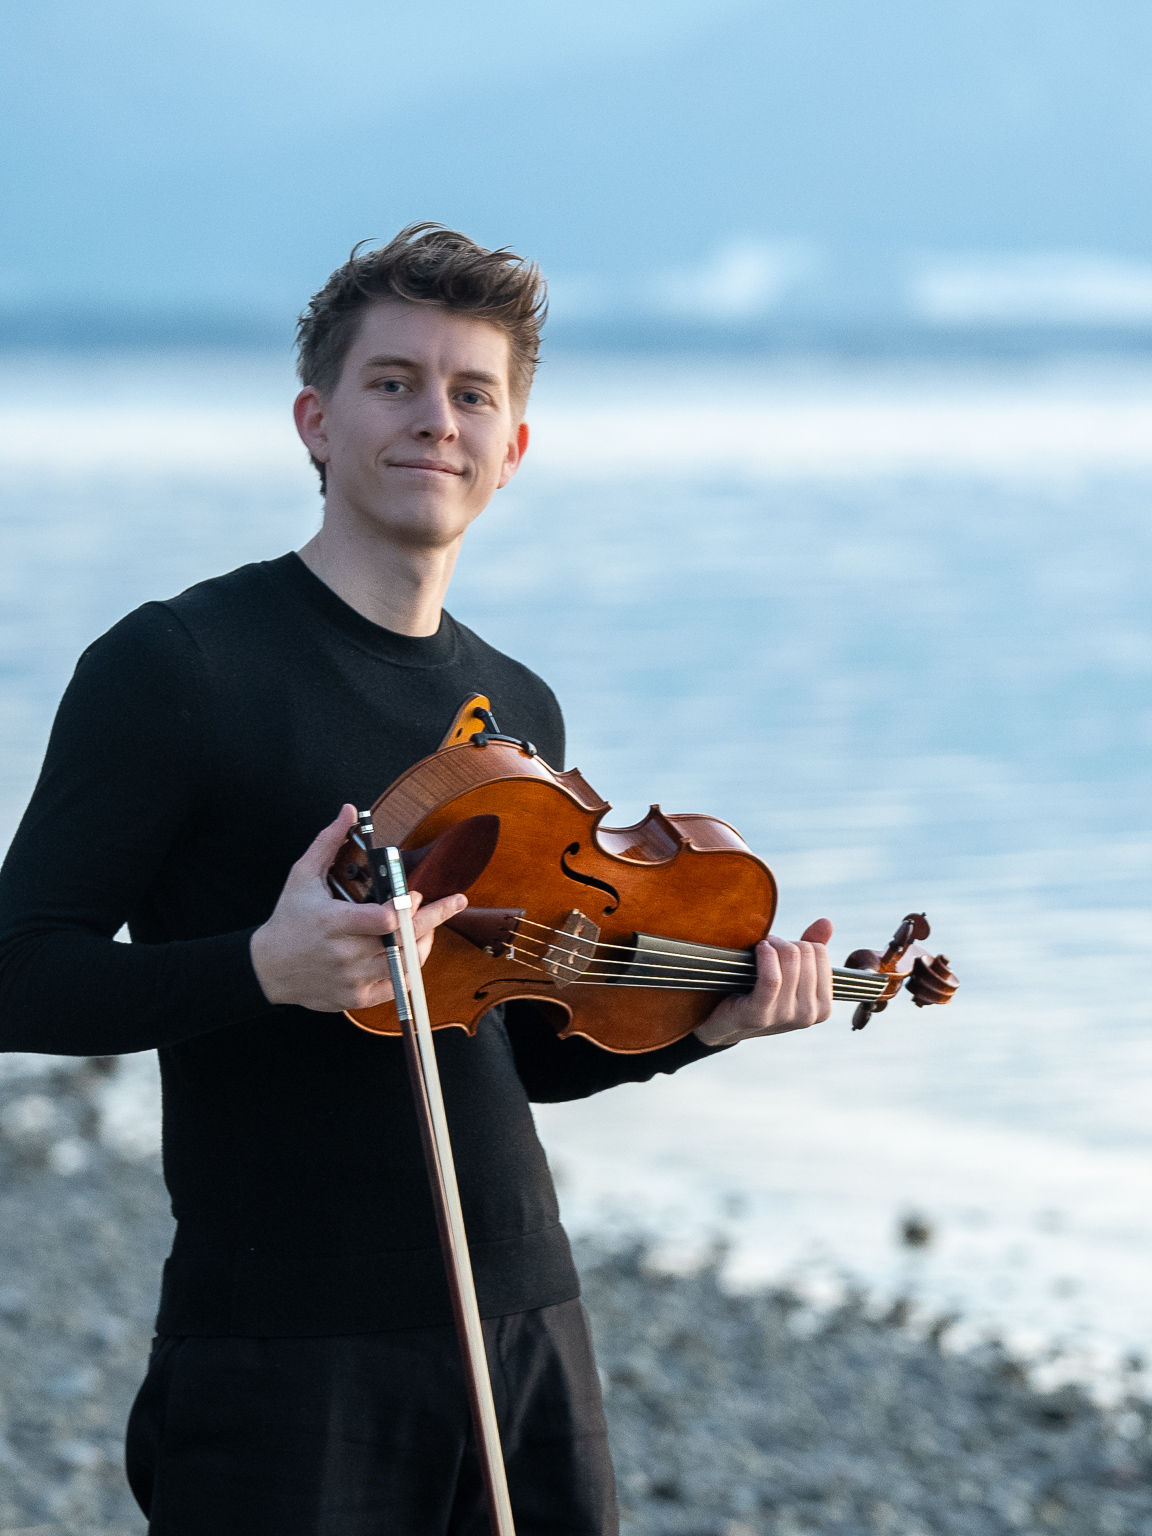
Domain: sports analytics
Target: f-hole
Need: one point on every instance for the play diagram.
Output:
(600, 885)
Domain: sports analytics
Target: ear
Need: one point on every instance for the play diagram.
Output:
(308, 410)
(517, 448)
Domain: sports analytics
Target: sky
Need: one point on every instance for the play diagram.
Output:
(736, 163)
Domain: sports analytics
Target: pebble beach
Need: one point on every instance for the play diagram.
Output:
(752, 1412)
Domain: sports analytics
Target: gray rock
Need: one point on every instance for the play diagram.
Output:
(727, 1417)
(82, 1240)
(730, 1415)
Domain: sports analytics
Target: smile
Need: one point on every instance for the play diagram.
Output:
(424, 466)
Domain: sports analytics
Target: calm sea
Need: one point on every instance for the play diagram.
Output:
(892, 621)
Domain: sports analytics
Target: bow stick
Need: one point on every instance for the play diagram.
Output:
(389, 883)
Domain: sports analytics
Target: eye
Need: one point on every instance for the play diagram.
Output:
(471, 397)
(391, 386)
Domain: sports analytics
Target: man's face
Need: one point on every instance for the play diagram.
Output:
(419, 432)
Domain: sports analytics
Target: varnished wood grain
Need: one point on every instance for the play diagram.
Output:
(467, 723)
(689, 877)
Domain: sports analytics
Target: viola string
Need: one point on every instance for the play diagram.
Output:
(838, 996)
(867, 985)
(631, 948)
(845, 987)
(657, 957)
(643, 966)
(615, 967)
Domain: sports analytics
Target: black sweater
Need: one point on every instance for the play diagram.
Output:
(199, 748)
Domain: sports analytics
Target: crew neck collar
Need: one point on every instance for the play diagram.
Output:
(404, 650)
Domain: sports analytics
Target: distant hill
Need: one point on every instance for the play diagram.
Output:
(785, 168)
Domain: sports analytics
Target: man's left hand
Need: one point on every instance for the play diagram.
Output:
(793, 991)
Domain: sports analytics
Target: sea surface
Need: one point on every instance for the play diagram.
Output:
(892, 621)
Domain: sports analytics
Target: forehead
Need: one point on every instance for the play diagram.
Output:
(437, 339)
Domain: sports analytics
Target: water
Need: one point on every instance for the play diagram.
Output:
(890, 621)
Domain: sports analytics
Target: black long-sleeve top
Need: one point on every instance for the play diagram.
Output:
(199, 748)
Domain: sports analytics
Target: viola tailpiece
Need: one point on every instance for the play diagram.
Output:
(626, 935)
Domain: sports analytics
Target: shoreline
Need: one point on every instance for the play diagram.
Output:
(739, 1413)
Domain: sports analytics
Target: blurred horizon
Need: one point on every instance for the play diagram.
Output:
(849, 175)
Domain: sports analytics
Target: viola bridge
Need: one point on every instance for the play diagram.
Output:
(572, 948)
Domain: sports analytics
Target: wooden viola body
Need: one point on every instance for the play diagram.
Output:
(559, 874)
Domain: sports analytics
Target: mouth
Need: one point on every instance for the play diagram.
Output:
(425, 466)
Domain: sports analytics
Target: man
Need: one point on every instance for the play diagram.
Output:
(305, 1379)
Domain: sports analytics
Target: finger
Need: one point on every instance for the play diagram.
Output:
(818, 932)
(788, 956)
(823, 983)
(814, 992)
(806, 999)
(366, 917)
(370, 994)
(316, 860)
(371, 971)
(769, 973)
(373, 978)
(437, 912)
(366, 979)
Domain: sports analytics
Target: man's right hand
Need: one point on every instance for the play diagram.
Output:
(322, 953)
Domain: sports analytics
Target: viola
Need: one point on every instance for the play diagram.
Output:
(624, 935)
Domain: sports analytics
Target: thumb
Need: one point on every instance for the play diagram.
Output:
(316, 860)
(818, 932)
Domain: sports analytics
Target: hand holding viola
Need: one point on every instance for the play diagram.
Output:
(324, 954)
(793, 991)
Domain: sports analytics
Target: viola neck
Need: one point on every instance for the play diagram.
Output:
(576, 958)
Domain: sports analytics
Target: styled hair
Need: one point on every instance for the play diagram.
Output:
(425, 264)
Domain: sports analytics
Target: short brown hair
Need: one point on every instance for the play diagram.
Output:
(425, 264)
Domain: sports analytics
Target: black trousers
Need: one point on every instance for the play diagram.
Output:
(369, 1435)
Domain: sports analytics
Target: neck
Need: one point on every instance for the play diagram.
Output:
(400, 586)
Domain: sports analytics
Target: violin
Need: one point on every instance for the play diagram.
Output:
(624, 935)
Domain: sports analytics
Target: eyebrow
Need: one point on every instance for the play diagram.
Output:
(406, 362)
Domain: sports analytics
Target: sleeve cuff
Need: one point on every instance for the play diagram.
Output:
(682, 1053)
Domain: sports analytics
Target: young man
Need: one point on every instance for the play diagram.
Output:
(305, 1379)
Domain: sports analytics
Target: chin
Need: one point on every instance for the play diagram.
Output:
(423, 526)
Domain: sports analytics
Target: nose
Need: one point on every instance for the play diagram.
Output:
(436, 420)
